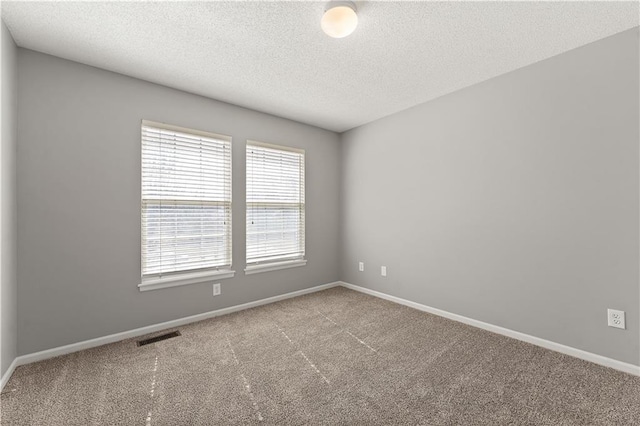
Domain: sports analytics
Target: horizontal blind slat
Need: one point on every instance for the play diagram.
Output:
(186, 201)
(275, 204)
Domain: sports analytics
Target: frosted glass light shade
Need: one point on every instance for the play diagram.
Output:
(340, 20)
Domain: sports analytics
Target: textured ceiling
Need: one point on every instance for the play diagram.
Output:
(273, 56)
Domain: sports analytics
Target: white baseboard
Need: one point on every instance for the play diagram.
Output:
(112, 338)
(567, 350)
(7, 374)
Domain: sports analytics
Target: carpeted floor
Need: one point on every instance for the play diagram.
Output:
(333, 357)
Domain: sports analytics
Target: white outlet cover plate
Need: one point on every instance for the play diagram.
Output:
(615, 319)
(383, 271)
(361, 266)
(216, 289)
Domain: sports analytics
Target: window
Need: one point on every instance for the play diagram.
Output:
(186, 206)
(275, 207)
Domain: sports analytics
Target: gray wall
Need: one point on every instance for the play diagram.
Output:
(8, 205)
(514, 201)
(79, 202)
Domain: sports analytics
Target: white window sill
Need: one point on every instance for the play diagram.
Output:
(274, 266)
(184, 279)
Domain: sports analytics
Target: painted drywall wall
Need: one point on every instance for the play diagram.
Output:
(8, 204)
(79, 202)
(513, 202)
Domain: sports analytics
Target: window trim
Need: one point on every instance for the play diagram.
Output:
(173, 128)
(180, 278)
(274, 146)
(267, 266)
(273, 266)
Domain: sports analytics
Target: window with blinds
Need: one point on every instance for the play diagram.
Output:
(186, 200)
(275, 204)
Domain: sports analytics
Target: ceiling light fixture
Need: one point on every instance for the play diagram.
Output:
(339, 19)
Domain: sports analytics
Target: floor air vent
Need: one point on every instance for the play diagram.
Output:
(158, 338)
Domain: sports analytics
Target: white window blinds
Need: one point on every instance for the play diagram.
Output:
(275, 203)
(186, 200)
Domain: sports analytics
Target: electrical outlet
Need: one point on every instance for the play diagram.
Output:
(383, 271)
(361, 266)
(616, 318)
(216, 289)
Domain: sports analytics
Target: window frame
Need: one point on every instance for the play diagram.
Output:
(277, 264)
(187, 276)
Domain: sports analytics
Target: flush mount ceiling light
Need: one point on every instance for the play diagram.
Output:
(339, 19)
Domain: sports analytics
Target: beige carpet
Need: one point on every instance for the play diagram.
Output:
(333, 357)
